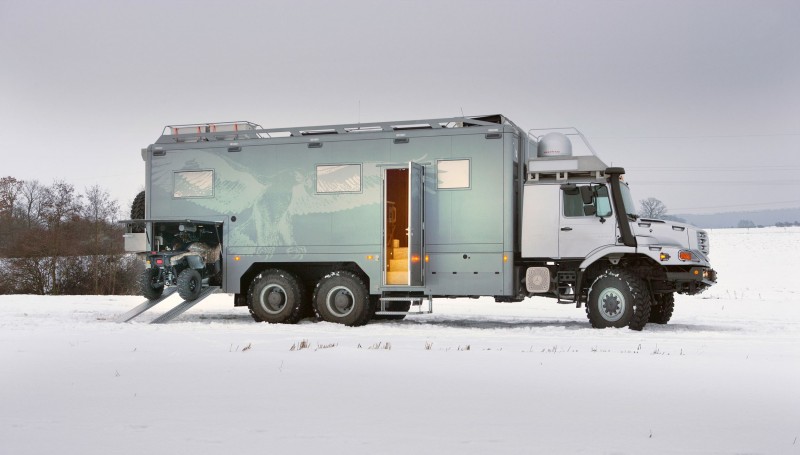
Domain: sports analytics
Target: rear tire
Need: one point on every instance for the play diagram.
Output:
(137, 212)
(342, 297)
(618, 298)
(148, 286)
(277, 297)
(662, 308)
(190, 283)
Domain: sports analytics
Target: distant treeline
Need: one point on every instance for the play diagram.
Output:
(56, 240)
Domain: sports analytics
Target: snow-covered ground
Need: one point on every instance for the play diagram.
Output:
(475, 377)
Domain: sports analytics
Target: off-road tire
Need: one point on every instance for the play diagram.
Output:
(618, 298)
(190, 284)
(137, 212)
(147, 288)
(342, 297)
(663, 305)
(277, 297)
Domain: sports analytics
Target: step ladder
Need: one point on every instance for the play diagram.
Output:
(415, 308)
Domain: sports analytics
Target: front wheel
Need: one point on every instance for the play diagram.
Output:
(664, 304)
(618, 298)
(190, 284)
(342, 297)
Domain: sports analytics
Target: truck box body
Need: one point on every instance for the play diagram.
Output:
(322, 199)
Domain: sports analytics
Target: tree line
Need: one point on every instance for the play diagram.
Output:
(55, 240)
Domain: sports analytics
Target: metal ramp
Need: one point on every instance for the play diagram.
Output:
(171, 314)
(183, 307)
(146, 305)
(415, 308)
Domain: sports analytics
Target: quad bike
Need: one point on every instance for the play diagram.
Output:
(183, 260)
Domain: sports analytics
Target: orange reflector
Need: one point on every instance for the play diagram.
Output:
(685, 255)
(414, 259)
(696, 272)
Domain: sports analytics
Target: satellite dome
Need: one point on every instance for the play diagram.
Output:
(554, 144)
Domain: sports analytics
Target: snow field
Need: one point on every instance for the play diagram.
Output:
(474, 377)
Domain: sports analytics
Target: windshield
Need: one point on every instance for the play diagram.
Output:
(627, 199)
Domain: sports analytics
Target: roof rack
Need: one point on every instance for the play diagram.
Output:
(227, 131)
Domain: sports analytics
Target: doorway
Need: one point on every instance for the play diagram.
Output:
(403, 225)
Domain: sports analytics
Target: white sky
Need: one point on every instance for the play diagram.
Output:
(698, 100)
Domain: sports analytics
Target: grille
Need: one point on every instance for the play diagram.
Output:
(702, 242)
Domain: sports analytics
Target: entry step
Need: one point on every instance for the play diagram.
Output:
(416, 306)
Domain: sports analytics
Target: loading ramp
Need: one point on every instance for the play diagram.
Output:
(176, 311)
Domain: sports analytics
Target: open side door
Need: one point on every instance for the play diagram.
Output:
(403, 194)
(416, 237)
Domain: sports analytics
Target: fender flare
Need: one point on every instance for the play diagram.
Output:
(611, 250)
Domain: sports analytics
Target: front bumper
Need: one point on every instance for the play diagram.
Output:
(693, 281)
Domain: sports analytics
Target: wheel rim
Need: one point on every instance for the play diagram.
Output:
(611, 304)
(273, 298)
(340, 301)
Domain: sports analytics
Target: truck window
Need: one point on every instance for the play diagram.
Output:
(602, 202)
(574, 206)
(452, 174)
(339, 178)
(193, 184)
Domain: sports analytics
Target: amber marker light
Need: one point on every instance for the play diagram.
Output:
(370, 257)
(415, 259)
(664, 257)
(685, 255)
(427, 259)
(505, 258)
(237, 258)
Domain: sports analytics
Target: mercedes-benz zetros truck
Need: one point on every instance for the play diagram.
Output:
(373, 220)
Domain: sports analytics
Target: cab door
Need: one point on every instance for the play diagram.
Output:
(586, 221)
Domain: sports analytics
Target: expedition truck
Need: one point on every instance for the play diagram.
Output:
(356, 221)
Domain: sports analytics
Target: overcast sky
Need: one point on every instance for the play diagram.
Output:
(698, 100)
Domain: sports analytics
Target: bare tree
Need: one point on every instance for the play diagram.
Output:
(99, 212)
(31, 194)
(652, 208)
(9, 193)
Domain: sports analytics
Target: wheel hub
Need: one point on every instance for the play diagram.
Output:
(273, 299)
(611, 304)
(340, 301)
